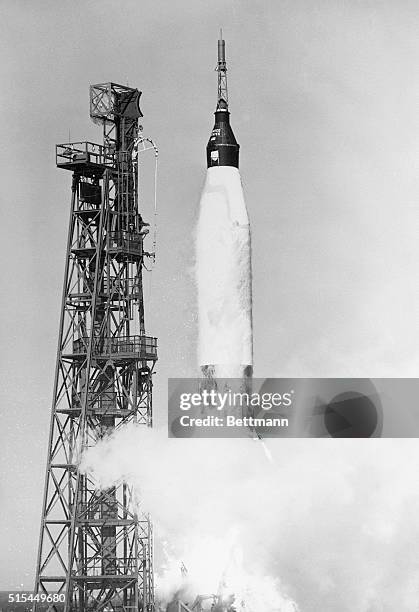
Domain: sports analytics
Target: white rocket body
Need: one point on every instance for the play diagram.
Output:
(224, 281)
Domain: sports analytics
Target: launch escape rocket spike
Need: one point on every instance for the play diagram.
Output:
(222, 148)
(223, 253)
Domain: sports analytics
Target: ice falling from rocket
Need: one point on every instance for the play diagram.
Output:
(223, 256)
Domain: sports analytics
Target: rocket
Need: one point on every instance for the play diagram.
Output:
(223, 252)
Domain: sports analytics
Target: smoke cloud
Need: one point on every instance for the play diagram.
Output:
(325, 523)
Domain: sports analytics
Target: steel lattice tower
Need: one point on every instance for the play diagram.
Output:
(94, 547)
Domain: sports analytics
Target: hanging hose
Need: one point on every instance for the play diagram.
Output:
(141, 145)
(147, 144)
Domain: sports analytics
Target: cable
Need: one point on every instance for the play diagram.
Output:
(146, 144)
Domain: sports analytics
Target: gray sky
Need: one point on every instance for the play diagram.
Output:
(324, 100)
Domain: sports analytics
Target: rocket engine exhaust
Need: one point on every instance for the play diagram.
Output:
(223, 253)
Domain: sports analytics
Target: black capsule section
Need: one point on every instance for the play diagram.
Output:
(222, 147)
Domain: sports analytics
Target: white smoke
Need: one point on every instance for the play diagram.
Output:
(200, 497)
(327, 523)
(223, 273)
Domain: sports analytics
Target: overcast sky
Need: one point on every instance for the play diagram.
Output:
(324, 97)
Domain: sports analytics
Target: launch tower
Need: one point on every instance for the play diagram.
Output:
(95, 550)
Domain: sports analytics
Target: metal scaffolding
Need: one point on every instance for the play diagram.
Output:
(95, 547)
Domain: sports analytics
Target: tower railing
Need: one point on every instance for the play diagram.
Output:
(126, 241)
(68, 154)
(142, 347)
